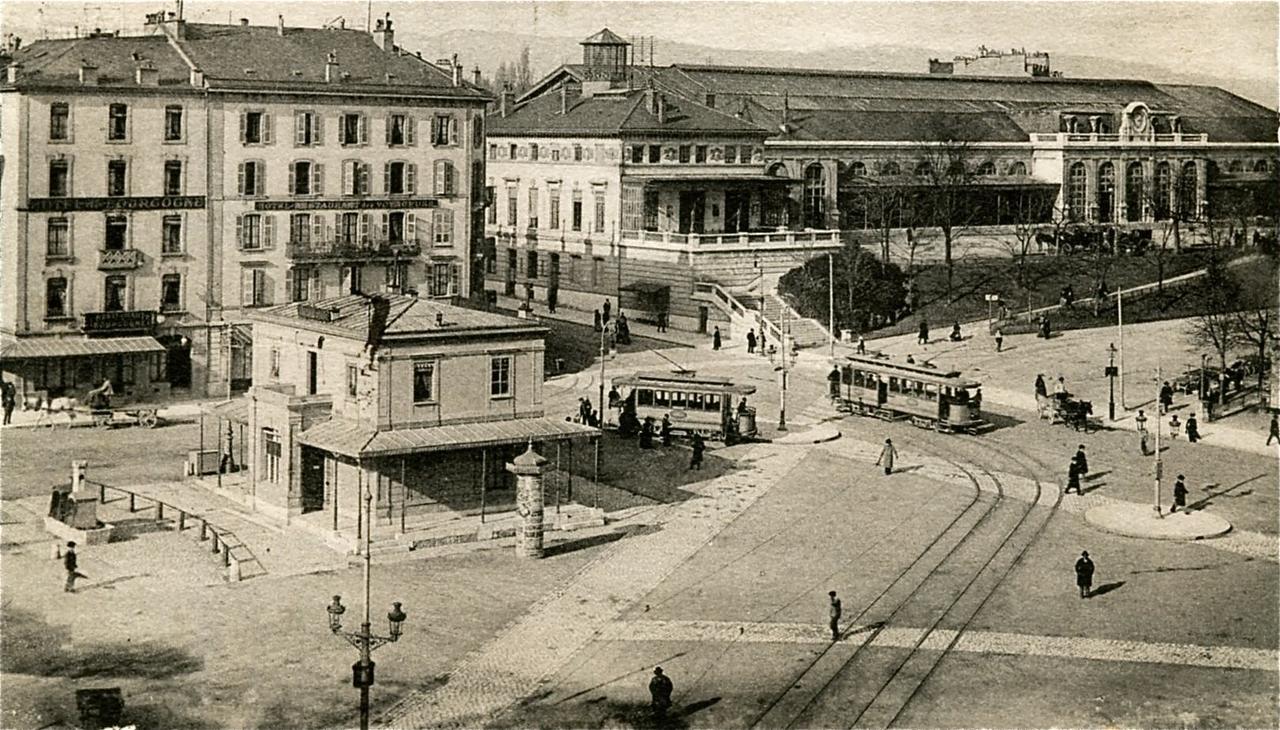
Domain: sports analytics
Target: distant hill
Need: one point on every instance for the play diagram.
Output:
(489, 48)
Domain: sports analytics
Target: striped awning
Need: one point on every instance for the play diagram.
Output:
(36, 348)
(344, 437)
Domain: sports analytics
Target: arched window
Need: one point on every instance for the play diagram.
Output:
(1187, 192)
(987, 168)
(857, 169)
(1018, 168)
(1235, 166)
(890, 168)
(955, 169)
(1161, 191)
(924, 169)
(1077, 182)
(777, 169)
(1106, 192)
(815, 196)
(1260, 166)
(1133, 191)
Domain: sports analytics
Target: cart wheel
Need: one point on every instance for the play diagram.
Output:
(147, 419)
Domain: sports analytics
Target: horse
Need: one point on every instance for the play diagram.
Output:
(66, 404)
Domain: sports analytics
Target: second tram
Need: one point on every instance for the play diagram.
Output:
(930, 398)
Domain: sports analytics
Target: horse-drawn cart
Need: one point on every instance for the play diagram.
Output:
(145, 416)
(1066, 410)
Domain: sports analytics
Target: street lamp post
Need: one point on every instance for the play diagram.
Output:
(831, 302)
(604, 351)
(1111, 377)
(760, 312)
(1159, 464)
(782, 404)
(364, 640)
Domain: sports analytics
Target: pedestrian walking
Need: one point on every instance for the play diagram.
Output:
(1141, 421)
(923, 337)
(552, 296)
(999, 339)
(1179, 495)
(1084, 574)
(761, 346)
(834, 614)
(1081, 461)
(1143, 443)
(660, 689)
(595, 320)
(715, 338)
(699, 446)
(833, 382)
(1275, 430)
(887, 455)
(1042, 390)
(1193, 429)
(69, 563)
(1073, 479)
(604, 312)
(9, 397)
(1166, 397)
(666, 430)
(1174, 426)
(862, 344)
(662, 321)
(751, 341)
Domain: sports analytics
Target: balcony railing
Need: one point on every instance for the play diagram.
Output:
(350, 250)
(759, 239)
(1093, 137)
(138, 321)
(119, 259)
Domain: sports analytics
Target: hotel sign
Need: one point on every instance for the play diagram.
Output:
(156, 202)
(346, 204)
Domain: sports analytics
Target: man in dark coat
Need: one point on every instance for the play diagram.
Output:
(923, 337)
(695, 458)
(1084, 574)
(646, 433)
(834, 615)
(69, 562)
(1193, 429)
(1081, 461)
(1073, 479)
(1275, 429)
(9, 394)
(604, 316)
(715, 338)
(666, 430)
(751, 341)
(1179, 494)
(595, 320)
(1042, 390)
(1166, 397)
(833, 382)
(660, 689)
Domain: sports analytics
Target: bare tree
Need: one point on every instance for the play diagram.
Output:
(1218, 326)
(1259, 300)
(1032, 214)
(946, 169)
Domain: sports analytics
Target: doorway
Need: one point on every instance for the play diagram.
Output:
(313, 464)
(703, 316)
(177, 351)
(737, 211)
(692, 211)
(313, 372)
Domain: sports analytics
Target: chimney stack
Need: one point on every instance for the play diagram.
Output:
(197, 77)
(457, 70)
(507, 101)
(147, 74)
(662, 108)
(383, 35)
(280, 25)
(475, 75)
(13, 70)
(88, 74)
(564, 99)
(331, 67)
(244, 22)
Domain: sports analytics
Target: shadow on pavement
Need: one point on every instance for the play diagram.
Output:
(1106, 588)
(33, 646)
(568, 546)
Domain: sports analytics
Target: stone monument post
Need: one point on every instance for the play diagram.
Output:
(529, 468)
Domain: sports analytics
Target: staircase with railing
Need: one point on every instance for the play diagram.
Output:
(744, 312)
(804, 331)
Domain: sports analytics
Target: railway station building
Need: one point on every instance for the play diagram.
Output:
(417, 401)
(845, 157)
(160, 187)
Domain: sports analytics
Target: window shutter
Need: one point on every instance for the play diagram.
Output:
(389, 123)
(364, 228)
(299, 129)
(317, 131)
(317, 178)
(386, 178)
(242, 125)
(267, 124)
(337, 226)
(246, 287)
(428, 229)
(348, 178)
(363, 178)
(410, 177)
(437, 183)
(240, 179)
(410, 131)
(266, 293)
(293, 176)
(317, 228)
(383, 227)
(364, 129)
(450, 179)
(261, 167)
(289, 276)
(410, 227)
(268, 231)
(71, 239)
(453, 130)
(342, 129)
(240, 231)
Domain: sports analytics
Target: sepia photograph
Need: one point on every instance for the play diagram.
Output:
(639, 364)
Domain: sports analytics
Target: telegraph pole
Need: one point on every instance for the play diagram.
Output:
(1159, 464)
(831, 302)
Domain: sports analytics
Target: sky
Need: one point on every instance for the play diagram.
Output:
(1214, 38)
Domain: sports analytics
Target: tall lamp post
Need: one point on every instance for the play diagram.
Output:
(1111, 373)
(364, 640)
(760, 312)
(604, 352)
(1159, 464)
(831, 302)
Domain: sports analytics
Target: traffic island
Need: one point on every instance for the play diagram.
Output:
(1140, 520)
(816, 435)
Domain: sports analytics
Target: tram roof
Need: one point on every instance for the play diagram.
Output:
(948, 377)
(685, 380)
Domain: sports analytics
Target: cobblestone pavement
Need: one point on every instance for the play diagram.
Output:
(508, 668)
(986, 642)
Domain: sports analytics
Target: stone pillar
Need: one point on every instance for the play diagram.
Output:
(1091, 191)
(79, 487)
(1148, 189)
(1120, 209)
(529, 468)
(1202, 197)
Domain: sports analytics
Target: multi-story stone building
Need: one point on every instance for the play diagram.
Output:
(865, 156)
(170, 183)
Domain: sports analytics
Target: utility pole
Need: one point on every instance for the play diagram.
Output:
(604, 351)
(1120, 332)
(782, 405)
(831, 302)
(1159, 463)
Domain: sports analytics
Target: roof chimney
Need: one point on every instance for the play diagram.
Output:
(197, 77)
(331, 67)
(662, 108)
(147, 74)
(475, 75)
(13, 70)
(507, 101)
(651, 98)
(457, 70)
(383, 36)
(244, 22)
(88, 74)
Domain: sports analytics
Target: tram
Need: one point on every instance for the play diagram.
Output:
(928, 397)
(707, 405)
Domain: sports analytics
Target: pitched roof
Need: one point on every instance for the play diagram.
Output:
(34, 348)
(616, 113)
(349, 438)
(407, 316)
(605, 37)
(57, 62)
(254, 55)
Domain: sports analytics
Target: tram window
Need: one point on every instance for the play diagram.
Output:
(644, 397)
(713, 402)
(846, 375)
(661, 398)
(930, 391)
(678, 400)
(893, 385)
(918, 387)
(962, 396)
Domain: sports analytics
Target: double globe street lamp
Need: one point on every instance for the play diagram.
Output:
(366, 642)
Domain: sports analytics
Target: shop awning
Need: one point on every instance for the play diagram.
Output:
(36, 348)
(658, 179)
(646, 287)
(347, 438)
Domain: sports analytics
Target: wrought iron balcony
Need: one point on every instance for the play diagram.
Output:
(343, 250)
(119, 259)
(138, 321)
